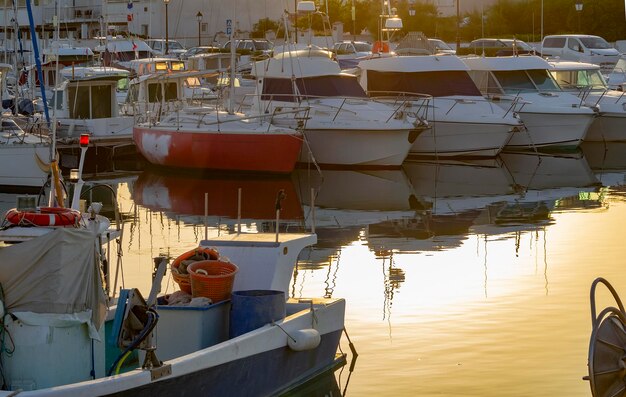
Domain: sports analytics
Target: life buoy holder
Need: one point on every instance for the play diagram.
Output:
(45, 216)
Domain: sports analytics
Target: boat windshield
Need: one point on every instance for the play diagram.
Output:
(543, 80)
(434, 83)
(578, 79)
(330, 86)
(514, 81)
(174, 45)
(595, 43)
(281, 89)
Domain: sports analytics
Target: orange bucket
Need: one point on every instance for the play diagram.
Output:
(182, 277)
(212, 279)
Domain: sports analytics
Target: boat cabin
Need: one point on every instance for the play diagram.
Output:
(578, 76)
(210, 62)
(156, 65)
(163, 92)
(316, 76)
(437, 76)
(90, 97)
(511, 75)
(82, 72)
(68, 55)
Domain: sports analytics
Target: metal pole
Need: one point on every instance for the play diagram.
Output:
(312, 210)
(239, 211)
(295, 17)
(199, 34)
(206, 216)
(458, 22)
(353, 21)
(167, 35)
(541, 38)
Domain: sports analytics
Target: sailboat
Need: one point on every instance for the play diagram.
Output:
(210, 138)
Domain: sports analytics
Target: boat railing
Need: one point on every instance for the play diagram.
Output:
(153, 112)
(278, 101)
(200, 116)
(414, 104)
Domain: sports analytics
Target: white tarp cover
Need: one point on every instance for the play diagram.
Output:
(55, 273)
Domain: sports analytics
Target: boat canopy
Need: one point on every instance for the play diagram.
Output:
(56, 273)
(340, 85)
(435, 83)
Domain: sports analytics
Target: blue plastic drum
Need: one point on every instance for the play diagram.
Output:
(253, 309)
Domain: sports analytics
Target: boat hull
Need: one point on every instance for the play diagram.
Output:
(359, 148)
(25, 166)
(266, 373)
(449, 139)
(259, 362)
(565, 130)
(246, 151)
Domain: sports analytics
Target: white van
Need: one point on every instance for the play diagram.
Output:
(582, 48)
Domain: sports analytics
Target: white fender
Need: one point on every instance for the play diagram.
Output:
(304, 339)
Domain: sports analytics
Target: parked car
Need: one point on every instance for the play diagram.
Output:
(349, 53)
(253, 46)
(199, 50)
(352, 49)
(173, 47)
(496, 47)
(582, 48)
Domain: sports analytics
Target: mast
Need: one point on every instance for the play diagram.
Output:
(231, 97)
(33, 35)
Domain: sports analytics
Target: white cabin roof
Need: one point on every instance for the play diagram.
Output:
(92, 71)
(506, 63)
(302, 63)
(571, 65)
(418, 63)
(65, 51)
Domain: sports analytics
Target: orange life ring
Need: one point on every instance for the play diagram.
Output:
(46, 216)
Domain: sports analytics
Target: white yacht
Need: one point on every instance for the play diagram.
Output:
(463, 122)
(523, 84)
(587, 82)
(343, 126)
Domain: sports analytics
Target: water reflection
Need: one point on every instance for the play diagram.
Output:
(458, 259)
(183, 196)
(341, 203)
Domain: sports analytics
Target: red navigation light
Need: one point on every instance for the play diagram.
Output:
(84, 140)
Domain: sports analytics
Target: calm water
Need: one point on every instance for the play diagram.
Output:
(461, 278)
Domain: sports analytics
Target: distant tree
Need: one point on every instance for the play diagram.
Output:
(262, 26)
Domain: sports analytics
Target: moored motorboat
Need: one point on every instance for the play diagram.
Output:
(344, 128)
(203, 348)
(463, 122)
(586, 81)
(523, 84)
